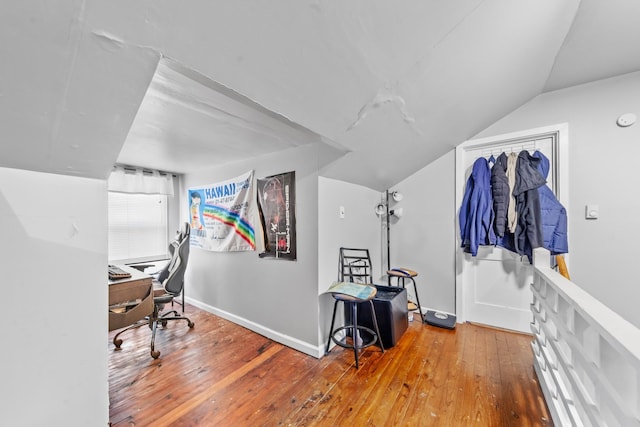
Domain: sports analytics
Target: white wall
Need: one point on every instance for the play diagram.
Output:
(603, 170)
(53, 259)
(358, 229)
(424, 238)
(276, 298)
(174, 206)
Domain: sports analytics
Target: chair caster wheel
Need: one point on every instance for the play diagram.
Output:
(117, 343)
(191, 324)
(155, 354)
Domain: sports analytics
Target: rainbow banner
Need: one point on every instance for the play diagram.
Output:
(220, 215)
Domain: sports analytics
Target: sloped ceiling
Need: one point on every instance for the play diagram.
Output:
(392, 85)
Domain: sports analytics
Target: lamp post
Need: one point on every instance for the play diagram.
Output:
(383, 208)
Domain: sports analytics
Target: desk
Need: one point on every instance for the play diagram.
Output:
(137, 287)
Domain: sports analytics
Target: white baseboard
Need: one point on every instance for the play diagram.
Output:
(304, 347)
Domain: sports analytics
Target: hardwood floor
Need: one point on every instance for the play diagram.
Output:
(221, 374)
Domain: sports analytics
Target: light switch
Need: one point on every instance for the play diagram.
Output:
(341, 212)
(591, 212)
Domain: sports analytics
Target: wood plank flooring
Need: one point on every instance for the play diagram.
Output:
(221, 374)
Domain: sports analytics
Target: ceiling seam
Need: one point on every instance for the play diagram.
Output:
(65, 93)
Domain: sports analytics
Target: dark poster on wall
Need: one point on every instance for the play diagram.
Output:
(277, 209)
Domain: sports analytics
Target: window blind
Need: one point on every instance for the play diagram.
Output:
(137, 227)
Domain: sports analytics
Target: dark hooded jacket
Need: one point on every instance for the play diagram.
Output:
(501, 194)
(528, 234)
(554, 215)
(476, 213)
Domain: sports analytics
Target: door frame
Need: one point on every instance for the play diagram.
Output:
(560, 133)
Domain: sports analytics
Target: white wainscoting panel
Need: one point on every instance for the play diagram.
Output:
(586, 356)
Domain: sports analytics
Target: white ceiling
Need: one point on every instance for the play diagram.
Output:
(187, 122)
(180, 86)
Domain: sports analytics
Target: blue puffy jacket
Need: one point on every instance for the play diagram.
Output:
(554, 215)
(476, 213)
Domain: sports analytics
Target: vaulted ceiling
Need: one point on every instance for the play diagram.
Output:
(181, 86)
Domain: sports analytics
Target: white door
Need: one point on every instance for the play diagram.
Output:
(493, 288)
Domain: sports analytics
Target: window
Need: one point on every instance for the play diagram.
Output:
(137, 227)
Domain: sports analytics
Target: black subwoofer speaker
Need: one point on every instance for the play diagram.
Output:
(390, 304)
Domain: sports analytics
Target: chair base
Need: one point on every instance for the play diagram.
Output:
(152, 322)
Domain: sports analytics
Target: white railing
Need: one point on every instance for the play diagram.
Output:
(586, 356)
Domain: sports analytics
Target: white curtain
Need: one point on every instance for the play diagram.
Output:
(139, 181)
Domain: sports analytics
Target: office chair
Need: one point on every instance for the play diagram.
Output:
(172, 280)
(162, 275)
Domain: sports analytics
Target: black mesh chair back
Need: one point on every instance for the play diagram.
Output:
(173, 283)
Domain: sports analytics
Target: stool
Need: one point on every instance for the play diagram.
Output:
(404, 273)
(357, 293)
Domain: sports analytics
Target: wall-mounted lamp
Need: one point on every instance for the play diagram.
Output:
(396, 212)
(382, 210)
(397, 196)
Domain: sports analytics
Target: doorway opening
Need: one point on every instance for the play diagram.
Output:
(492, 288)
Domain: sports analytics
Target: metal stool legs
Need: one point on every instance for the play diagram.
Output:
(415, 290)
(355, 330)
